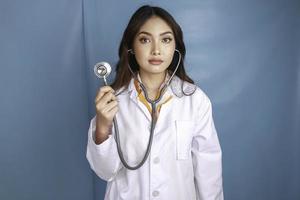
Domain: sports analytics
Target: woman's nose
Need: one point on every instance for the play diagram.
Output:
(155, 49)
(155, 53)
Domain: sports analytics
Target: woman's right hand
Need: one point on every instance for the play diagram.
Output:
(106, 108)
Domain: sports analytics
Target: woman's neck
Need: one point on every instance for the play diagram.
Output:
(152, 82)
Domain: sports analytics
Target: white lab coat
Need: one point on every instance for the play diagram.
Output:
(185, 159)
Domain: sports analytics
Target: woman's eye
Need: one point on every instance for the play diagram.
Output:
(167, 40)
(144, 40)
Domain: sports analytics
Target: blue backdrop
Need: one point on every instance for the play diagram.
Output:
(244, 54)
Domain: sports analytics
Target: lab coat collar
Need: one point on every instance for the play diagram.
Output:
(133, 94)
(174, 89)
(177, 87)
(131, 87)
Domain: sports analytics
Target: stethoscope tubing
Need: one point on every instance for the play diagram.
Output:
(153, 119)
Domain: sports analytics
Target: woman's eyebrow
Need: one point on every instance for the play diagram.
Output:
(167, 32)
(147, 33)
(144, 32)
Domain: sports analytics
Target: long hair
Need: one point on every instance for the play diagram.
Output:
(123, 74)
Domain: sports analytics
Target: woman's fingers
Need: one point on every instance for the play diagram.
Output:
(108, 97)
(104, 101)
(106, 104)
(110, 111)
(114, 111)
(102, 91)
(110, 106)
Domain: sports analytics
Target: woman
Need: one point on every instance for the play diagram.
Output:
(185, 158)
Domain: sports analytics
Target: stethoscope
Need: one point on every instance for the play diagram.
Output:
(102, 70)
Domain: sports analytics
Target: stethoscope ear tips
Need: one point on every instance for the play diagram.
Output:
(130, 51)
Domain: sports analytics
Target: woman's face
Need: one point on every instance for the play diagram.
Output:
(154, 47)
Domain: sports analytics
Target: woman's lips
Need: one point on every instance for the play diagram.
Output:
(155, 62)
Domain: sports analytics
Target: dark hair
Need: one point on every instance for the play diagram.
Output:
(123, 74)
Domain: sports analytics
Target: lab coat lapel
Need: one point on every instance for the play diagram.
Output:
(134, 98)
(165, 111)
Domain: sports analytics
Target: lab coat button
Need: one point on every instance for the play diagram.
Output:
(156, 160)
(155, 193)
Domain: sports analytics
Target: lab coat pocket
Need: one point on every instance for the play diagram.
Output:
(184, 132)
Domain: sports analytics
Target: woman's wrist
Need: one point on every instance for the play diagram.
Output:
(100, 137)
(101, 133)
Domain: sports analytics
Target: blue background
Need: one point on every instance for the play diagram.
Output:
(244, 54)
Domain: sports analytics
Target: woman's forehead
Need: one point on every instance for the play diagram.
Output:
(155, 25)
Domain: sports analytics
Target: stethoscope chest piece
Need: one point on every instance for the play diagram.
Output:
(102, 70)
